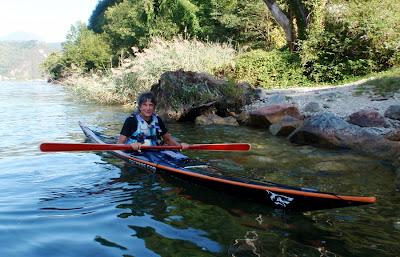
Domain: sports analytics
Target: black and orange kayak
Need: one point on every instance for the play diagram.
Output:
(276, 195)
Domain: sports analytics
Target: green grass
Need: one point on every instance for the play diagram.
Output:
(383, 84)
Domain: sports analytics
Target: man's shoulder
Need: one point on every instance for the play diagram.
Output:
(131, 119)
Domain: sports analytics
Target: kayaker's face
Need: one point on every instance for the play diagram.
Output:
(147, 109)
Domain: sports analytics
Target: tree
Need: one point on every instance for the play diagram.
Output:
(294, 17)
(96, 20)
(85, 49)
(127, 24)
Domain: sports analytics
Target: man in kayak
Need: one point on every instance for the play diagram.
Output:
(145, 127)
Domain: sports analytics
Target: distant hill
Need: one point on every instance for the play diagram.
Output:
(20, 36)
(20, 60)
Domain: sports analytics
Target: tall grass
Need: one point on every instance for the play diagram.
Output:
(137, 74)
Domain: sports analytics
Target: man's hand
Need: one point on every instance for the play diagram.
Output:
(184, 146)
(136, 146)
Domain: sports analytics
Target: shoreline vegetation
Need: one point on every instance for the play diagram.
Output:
(235, 63)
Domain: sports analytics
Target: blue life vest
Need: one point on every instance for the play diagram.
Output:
(147, 134)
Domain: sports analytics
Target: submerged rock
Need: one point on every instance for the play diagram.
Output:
(265, 116)
(213, 119)
(285, 126)
(328, 130)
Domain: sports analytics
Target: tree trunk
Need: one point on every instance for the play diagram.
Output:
(283, 20)
(301, 14)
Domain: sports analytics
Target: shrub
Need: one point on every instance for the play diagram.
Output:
(139, 73)
(340, 51)
(273, 69)
(356, 39)
(54, 65)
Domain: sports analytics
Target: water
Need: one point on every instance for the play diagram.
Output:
(90, 204)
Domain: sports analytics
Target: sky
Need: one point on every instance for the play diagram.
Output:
(50, 20)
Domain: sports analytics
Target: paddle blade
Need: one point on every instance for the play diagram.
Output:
(221, 147)
(71, 147)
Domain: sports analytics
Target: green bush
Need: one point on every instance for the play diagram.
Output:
(356, 39)
(273, 69)
(54, 65)
(341, 50)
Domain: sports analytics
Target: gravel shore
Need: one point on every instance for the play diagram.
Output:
(342, 100)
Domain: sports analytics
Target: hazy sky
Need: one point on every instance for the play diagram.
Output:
(49, 19)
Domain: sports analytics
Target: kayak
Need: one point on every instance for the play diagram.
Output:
(178, 165)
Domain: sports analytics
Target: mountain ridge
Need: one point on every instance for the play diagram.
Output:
(21, 59)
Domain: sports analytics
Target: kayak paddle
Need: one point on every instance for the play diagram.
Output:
(67, 147)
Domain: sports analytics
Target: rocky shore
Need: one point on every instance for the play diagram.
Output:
(334, 117)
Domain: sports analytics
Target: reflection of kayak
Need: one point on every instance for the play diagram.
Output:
(180, 166)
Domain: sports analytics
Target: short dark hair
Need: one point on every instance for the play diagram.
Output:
(146, 96)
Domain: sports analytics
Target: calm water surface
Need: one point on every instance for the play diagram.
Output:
(90, 204)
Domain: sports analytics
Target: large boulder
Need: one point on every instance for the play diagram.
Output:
(184, 95)
(365, 118)
(328, 130)
(265, 116)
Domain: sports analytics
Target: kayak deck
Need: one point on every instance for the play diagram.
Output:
(276, 195)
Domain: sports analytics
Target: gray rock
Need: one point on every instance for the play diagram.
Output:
(261, 93)
(312, 107)
(277, 99)
(393, 112)
(331, 96)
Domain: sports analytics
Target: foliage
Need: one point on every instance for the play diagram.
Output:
(83, 51)
(341, 50)
(273, 69)
(354, 41)
(96, 20)
(132, 23)
(138, 74)
(87, 50)
(339, 39)
(247, 23)
(127, 24)
(54, 65)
